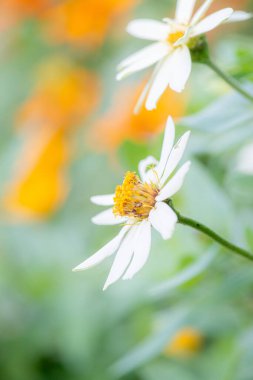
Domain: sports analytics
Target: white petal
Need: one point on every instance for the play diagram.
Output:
(105, 251)
(182, 68)
(239, 16)
(143, 59)
(201, 11)
(103, 200)
(152, 177)
(123, 257)
(212, 21)
(174, 183)
(168, 141)
(173, 23)
(107, 217)
(148, 29)
(163, 219)
(184, 10)
(175, 156)
(140, 54)
(174, 72)
(146, 89)
(160, 82)
(142, 97)
(144, 164)
(141, 250)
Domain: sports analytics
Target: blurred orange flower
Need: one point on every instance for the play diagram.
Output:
(186, 342)
(40, 185)
(63, 97)
(15, 10)
(120, 123)
(85, 21)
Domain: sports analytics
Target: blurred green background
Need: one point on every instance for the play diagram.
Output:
(67, 132)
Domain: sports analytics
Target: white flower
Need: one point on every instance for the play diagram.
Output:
(245, 160)
(139, 204)
(170, 51)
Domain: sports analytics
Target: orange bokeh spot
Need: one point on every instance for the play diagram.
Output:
(64, 94)
(186, 342)
(120, 123)
(13, 11)
(84, 21)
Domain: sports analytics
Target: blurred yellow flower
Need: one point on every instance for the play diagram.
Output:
(84, 21)
(119, 123)
(64, 95)
(185, 342)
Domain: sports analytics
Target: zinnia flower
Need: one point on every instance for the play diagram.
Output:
(170, 51)
(139, 204)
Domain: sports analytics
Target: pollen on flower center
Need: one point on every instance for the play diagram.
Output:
(174, 37)
(134, 198)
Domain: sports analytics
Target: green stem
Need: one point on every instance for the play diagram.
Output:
(230, 80)
(207, 231)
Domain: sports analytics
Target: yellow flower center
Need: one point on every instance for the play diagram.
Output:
(134, 198)
(173, 37)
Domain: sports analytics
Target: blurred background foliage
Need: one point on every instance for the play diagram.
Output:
(68, 132)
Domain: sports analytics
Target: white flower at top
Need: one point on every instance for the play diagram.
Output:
(170, 51)
(139, 204)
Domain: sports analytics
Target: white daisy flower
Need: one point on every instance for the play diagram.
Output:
(139, 204)
(170, 49)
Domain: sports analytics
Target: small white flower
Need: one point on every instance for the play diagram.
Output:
(170, 51)
(139, 204)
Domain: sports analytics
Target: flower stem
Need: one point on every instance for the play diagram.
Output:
(207, 231)
(230, 80)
